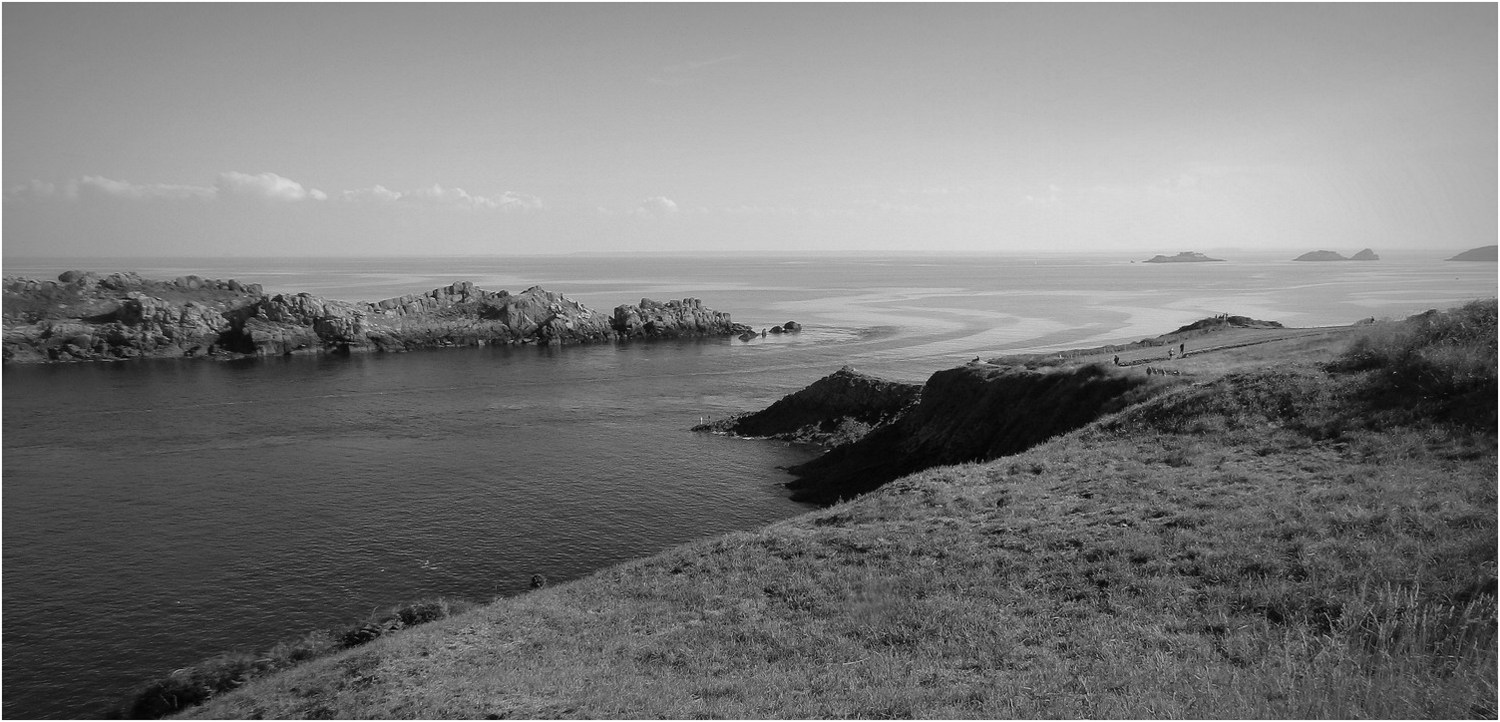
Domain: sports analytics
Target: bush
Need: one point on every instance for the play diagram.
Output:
(1437, 356)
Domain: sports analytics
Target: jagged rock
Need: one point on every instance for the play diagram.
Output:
(791, 326)
(1365, 255)
(125, 316)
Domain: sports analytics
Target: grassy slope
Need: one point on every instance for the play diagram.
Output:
(1246, 545)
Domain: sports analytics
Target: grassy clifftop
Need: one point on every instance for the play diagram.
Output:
(1300, 530)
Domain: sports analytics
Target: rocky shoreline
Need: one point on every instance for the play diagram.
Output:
(86, 316)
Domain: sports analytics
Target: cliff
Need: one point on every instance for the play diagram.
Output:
(84, 316)
(971, 413)
(1183, 257)
(841, 407)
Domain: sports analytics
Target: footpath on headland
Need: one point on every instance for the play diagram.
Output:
(1234, 540)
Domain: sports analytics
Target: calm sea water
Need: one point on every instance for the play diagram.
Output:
(156, 513)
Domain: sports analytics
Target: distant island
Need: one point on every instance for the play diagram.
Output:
(1365, 255)
(86, 316)
(1184, 257)
(1482, 253)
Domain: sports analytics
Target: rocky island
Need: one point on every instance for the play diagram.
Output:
(1364, 255)
(1482, 253)
(1184, 257)
(85, 316)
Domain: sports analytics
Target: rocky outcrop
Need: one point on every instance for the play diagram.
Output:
(1364, 255)
(838, 408)
(1482, 253)
(85, 316)
(971, 413)
(1320, 256)
(1184, 257)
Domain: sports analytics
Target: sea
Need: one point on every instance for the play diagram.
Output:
(156, 513)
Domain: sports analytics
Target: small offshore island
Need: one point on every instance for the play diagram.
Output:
(1231, 519)
(85, 316)
(1183, 257)
(1364, 255)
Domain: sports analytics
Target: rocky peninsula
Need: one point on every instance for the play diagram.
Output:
(86, 316)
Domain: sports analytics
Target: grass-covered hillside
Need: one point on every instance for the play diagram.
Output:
(1292, 530)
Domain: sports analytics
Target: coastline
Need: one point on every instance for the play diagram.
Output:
(860, 526)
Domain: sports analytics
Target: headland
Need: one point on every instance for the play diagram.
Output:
(1232, 533)
(86, 316)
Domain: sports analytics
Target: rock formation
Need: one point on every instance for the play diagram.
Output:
(1184, 257)
(1482, 253)
(1364, 255)
(838, 408)
(970, 413)
(85, 316)
(1320, 256)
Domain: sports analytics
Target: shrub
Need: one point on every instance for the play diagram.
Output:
(1442, 359)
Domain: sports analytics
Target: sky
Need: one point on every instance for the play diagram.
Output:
(410, 129)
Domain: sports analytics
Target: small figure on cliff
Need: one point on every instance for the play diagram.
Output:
(1169, 354)
(1181, 350)
(1117, 359)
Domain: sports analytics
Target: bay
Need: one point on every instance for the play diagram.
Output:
(159, 512)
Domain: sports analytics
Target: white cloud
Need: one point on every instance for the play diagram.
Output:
(656, 207)
(268, 186)
(438, 195)
(520, 201)
(37, 190)
(378, 193)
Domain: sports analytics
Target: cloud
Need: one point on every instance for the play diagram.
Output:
(98, 186)
(438, 195)
(656, 207)
(377, 194)
(267, 186)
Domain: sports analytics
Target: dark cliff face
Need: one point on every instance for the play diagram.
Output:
(966, 414)
(840, 407)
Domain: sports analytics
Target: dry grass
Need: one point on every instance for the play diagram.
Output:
(1247, 546)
